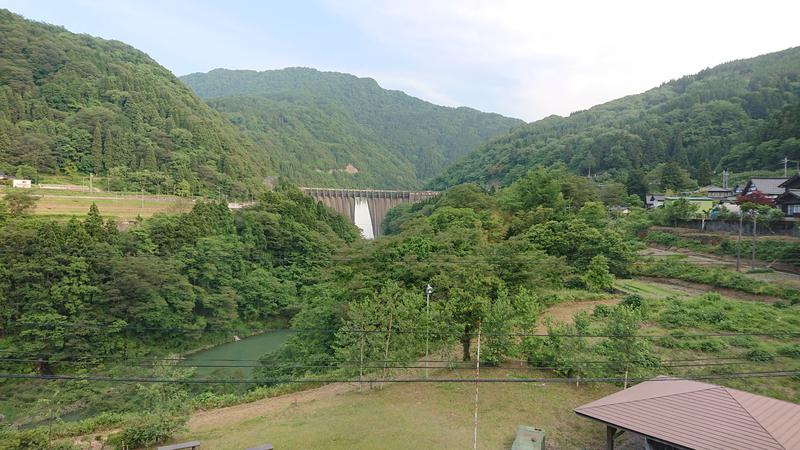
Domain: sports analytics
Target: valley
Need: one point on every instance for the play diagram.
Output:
(306, 258)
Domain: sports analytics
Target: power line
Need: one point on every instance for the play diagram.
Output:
(47, 325)
(99, 378)
(352, 361)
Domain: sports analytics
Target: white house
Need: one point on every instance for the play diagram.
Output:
(24, 184)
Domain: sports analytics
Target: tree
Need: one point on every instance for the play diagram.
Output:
(20, 202)
(613, 194)
(27, 172)
(625, 349)
(680, 209)
(755, 197)
(93, 222)
(597, 277)
(635, 183)
(704, 173)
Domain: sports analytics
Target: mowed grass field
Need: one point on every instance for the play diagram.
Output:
(409, 415)
(55, 203)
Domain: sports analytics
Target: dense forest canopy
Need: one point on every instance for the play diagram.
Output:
(740, 115)
(73, 103)
(319, 122)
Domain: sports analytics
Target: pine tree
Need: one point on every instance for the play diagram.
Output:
(704, 173)
(97, 149)
(93, 222)
(635, 184)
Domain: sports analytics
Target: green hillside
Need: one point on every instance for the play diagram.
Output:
(741, 115)
(318, 122)
(73, 103)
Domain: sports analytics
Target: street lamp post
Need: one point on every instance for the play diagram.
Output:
(428, 292)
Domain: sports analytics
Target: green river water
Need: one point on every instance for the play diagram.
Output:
(242, 353)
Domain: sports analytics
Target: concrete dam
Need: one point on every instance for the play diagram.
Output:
(366, 208)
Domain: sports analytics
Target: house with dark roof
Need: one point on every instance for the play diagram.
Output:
(789, 200)
(654, 200)
(771, 187)
(677, 414)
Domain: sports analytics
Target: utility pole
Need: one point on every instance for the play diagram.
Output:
(738, 241)
(477, 382)
(785, 167)
(725, 179)
(753, 257)
(91, 176)
(428, 292)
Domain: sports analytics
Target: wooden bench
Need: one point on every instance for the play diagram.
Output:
(261, 447)
(194, 445)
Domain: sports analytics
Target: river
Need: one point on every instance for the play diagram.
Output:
(241, 353)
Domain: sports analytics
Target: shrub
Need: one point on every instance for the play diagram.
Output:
(601, 310)
(632, 301)
(743, 342)
(597, 277)
(759, 355)
(574, 282)
(790, 350)
(147, 431)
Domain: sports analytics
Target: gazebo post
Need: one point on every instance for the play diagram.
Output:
(610, 432)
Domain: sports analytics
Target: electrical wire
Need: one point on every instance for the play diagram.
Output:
(440, 333)
(100, 378)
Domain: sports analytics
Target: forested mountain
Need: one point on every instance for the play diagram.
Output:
(740, 115)
(76, 103)
(317, 123)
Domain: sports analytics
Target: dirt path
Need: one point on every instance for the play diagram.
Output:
(218, 418)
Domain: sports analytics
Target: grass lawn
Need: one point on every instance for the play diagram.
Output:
(417, 415)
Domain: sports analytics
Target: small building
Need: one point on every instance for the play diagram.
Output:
(653, 200)
(676, 414)
(770, 187)
(23, 184)
(716, 192)
(3, 176)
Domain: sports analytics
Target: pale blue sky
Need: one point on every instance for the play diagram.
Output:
(522, 58)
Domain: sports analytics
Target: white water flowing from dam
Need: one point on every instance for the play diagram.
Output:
(362, 218)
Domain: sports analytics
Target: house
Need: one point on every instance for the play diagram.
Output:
(5, 177)
(716, 192)
(653, 200)
(770, 187)
(677, 414)
(789, 200)
(24, 184)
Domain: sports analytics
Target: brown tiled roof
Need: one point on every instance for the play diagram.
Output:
(699, 415)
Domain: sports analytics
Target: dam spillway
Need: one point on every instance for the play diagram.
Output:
(366, 208)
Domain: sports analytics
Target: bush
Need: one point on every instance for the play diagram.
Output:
(597, 277)
(759, 355)
(574, 282)
(147, 431)
(601, 310)
(743, 342)
(632, 301)
(790, 350)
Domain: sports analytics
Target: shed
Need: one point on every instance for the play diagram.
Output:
(25, 184)
(673, 413)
